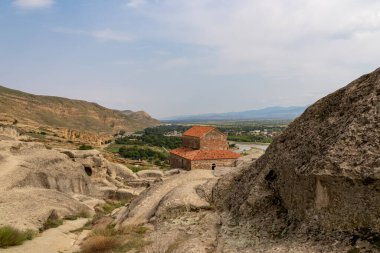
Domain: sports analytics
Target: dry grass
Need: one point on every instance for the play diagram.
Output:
(81, 214)
(10, 236)
(111, 240)
(100, 243)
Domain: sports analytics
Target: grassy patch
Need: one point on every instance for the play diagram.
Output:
(113, 148)
(112, 240)
(52, 221)
(85, 147)
(80, 214)
(10, 236)
(99, 243)
(109, 206)
(135, 168)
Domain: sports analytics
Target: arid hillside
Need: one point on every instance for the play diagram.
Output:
(34, 110)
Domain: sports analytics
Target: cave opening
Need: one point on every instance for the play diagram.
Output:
(88, 170)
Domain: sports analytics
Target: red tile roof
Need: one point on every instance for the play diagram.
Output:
(198, 131)
(194, 155)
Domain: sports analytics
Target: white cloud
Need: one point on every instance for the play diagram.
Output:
(135, 3)
(277, 38)
(33, 4)
(101, 35)
(110, 35)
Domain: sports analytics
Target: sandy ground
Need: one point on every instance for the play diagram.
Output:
(54, 240)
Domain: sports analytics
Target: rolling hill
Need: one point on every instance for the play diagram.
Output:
(50, 111)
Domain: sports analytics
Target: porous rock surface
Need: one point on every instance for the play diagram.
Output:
(36, 180)
(320, 176)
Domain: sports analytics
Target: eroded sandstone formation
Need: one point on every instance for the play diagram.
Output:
(321, 175)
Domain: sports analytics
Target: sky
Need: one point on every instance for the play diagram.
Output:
(181, 57)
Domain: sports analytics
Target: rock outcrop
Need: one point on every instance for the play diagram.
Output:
(321, 175)
(36, 180)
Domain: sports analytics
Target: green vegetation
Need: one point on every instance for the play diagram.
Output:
(114, 148)
(232, 145)
(85, 147)
(165, 129)
(135, 168)
(143, 153)
(10, 236)
(169, 142)
(80, 214)
(109, 206)
(51, 222)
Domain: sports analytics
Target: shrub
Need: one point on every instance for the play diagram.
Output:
(52, 224)
(52, 221)
(85, 147)
(232, 145)
(111, 240)
(10, 236)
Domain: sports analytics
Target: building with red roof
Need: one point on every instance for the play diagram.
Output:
(203, 147)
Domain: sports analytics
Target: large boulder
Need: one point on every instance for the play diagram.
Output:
(323, 171)
(121, 171)
(150, 173)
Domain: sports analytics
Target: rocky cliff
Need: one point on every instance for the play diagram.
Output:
(321, 176)
(27, 109)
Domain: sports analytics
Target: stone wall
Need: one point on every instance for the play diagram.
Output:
(191, 142)
(207, 164)
(179, 162)
(214, 140)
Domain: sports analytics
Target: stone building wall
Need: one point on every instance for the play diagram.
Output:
(179, 162)
(207, 164)
(191, 142)
(214, 140)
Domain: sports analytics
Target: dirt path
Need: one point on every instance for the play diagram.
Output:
(7, 166)
(141, 211)
(54, 240)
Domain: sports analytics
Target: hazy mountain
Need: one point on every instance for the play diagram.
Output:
(29, 109)
(276, 113)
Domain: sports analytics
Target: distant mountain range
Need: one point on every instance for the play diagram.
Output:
(34, 110)
(269, 113)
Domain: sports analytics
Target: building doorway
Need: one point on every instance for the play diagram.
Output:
(213, 166)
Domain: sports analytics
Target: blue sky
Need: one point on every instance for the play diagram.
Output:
(175, 57)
